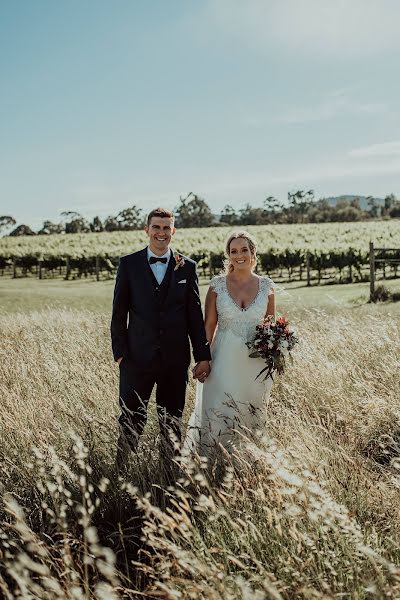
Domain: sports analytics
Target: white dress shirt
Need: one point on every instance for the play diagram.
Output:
(159, 269)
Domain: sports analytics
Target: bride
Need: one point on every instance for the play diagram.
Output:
(230, 403)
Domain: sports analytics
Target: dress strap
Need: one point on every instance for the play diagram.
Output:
(267, 284)
(217, 283)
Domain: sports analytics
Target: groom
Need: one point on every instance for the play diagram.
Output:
(156, 309)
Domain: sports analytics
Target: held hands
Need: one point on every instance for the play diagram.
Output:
(201, 370)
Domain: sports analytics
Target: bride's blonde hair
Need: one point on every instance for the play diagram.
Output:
(235, 235)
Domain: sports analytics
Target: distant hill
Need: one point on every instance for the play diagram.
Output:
(363, 200)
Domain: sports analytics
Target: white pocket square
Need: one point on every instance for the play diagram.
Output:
(182, 281)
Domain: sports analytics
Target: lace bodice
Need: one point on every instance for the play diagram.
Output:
(241, 321)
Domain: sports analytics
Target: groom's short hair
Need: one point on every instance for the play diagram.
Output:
(160, 212)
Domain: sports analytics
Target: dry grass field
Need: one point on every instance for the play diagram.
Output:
(308, 510)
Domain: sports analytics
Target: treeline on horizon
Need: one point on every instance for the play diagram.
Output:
(193, 211)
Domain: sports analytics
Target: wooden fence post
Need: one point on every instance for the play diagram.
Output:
(97, 268)
(67, 274)
(371, 271)
(308, 269)
(384, 264)
(14, 267)
(40, 268)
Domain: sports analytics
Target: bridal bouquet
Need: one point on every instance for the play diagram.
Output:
(273, 342)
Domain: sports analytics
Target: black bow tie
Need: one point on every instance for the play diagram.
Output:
(154, 259)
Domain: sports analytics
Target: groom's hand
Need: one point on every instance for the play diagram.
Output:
(202, 370)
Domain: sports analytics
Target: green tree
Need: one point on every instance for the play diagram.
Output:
(394, 212)
(355, 203)
(389, 202)
(194, 212)
(74, 222)
(373, 207)
(228, 215)
(130, 219)
(22, 230)
(272, 205)
(6, 222)
(272, 210)
(320, 212)
(96, 225)
(50, 228)
(111, 224)
(344, 211)
(299, 204)
(251, 215)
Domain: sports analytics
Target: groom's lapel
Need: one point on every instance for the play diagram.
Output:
(171, 282)
(177, 274)
(147, 274)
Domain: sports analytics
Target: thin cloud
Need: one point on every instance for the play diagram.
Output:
(93, 199)
(331, 109)
(323, 28)
(375, 150)
(305, 176)
(336, 104)
(246, 183)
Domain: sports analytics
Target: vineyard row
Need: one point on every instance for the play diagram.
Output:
(291, 265)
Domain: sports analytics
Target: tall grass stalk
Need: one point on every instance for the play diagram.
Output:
(306, 509)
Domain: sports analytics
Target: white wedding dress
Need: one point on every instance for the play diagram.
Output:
(230, 405)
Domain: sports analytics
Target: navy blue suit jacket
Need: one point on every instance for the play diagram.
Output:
(143, 325)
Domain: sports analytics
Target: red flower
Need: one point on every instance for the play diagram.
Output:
(266, 341)
(179, 260)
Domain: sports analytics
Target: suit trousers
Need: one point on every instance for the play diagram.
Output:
(136, 385)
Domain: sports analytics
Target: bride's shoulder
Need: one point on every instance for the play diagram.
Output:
(217, 283)
(266, 283)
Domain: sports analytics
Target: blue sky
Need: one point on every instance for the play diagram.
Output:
(105, 104)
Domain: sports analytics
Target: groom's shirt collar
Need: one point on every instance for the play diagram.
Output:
(167, 255)
(159, 269)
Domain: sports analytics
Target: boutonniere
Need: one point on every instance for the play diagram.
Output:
(179, 260)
